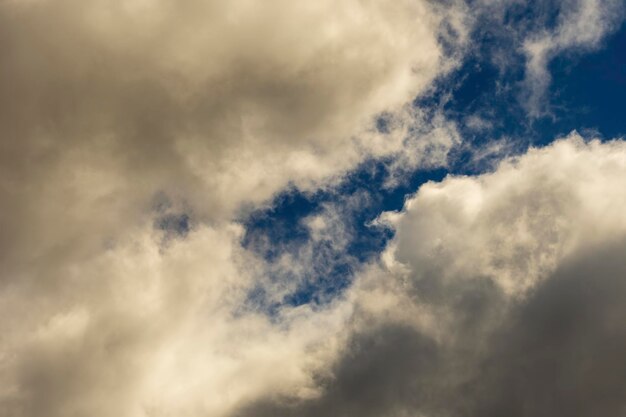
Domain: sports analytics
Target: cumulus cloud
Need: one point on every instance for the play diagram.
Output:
(500, 295)
(216, 104)
(142, 331)
(134, 134)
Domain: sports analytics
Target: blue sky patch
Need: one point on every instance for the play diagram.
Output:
(484, 99)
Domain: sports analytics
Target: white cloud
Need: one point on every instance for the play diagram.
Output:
(109, 106)
(218, 106)
(582, 25)
(515, 225)
(142, 330)
(501, 294)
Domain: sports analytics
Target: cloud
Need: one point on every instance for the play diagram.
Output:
(515, 224)
(559, 353)
(500, 295)
(134, 135)
(581, 26)
(142, 330)
(215, 104)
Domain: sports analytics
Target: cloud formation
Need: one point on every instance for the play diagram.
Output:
(500, 295)
(581, 26)
(215, 104)
(134, 134)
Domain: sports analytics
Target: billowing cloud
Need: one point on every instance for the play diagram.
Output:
(500, 295)
(142, 330)
(515, 224)
(107, 104)
(134, 134)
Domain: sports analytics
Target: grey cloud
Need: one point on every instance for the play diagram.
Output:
(560, 351)
(557, 352)
(458, 322)
(384, 372)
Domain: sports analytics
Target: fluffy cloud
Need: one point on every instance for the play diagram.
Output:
(146, 330)
(134, 134)
(218, 105)
(500, 295)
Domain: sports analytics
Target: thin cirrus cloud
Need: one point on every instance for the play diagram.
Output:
(137, 134)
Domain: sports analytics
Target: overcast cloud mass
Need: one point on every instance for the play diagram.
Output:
(283, 208)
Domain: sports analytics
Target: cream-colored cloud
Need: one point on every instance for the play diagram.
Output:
(143, 330)
(217, 104)
(514, 226)
(109, 106)
(582, 25)
(501, 294)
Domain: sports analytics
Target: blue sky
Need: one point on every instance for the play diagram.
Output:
(584, 95)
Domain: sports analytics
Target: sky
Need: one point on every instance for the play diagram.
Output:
(342, 208)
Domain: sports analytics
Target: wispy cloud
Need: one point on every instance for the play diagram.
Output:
(581, 26)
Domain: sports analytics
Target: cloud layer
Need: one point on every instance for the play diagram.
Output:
(136, 134)
(500, 295)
